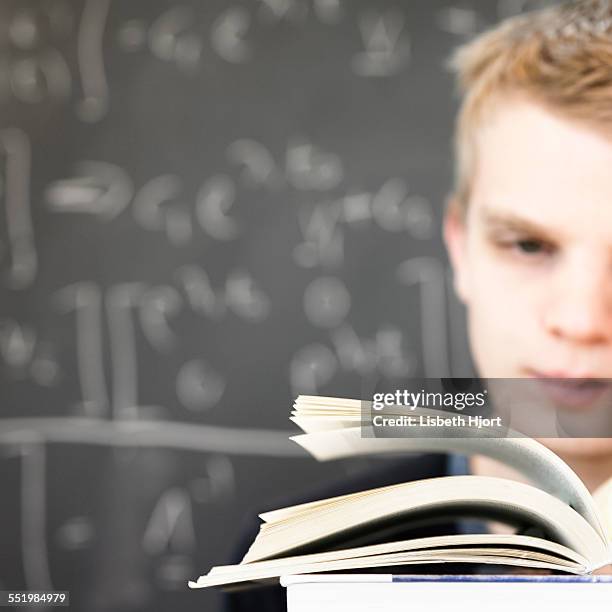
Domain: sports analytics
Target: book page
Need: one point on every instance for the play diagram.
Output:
(307, 525)
(545, 469)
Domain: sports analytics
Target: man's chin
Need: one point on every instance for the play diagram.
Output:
(579, 448)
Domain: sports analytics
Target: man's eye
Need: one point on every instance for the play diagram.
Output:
(531, 246)
(525, 246)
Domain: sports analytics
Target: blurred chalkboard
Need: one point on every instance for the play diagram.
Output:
(207, 208)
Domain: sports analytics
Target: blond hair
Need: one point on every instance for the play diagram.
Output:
(560, 57)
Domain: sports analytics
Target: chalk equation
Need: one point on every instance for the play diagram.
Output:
(44, 41)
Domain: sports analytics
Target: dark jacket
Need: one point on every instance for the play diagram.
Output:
(272, 598)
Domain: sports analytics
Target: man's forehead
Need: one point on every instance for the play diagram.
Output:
(521, 138)
(536, 171)
(519, 114)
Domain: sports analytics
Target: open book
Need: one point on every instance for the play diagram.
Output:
(322, 536)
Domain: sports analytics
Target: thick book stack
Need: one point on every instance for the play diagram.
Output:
(561, 529)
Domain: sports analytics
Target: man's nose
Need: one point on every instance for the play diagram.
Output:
(580, 309)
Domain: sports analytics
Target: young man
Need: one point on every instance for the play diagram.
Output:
(529, 225)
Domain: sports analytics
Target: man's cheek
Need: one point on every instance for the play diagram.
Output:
(497, 312)
(500, 286)
(491, 346)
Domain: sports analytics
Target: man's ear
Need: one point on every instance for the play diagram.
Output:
(455, 238)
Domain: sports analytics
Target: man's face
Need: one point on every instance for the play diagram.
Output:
(533, 257)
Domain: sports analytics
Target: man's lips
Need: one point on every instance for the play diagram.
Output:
(570, 392)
